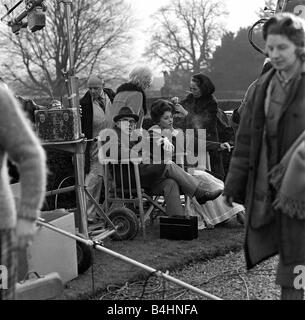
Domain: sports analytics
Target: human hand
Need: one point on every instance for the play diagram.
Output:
(175, 100)
(226, 146)
(180, 109)
(167, 145)
(228, 200)
(26, 230)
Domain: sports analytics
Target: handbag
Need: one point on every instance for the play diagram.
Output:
(45, 287)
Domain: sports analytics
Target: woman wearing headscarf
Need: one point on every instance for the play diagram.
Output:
(267, 171)
(201, 113)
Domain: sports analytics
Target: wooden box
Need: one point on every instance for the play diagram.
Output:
(57, 125)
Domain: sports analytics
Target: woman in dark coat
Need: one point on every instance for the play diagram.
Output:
(272, 123)
(202, 108)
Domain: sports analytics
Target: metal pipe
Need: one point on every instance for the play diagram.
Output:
(59, 191)
(69, 35)
(131, 261)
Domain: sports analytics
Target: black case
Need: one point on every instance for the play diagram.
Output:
(176, 228)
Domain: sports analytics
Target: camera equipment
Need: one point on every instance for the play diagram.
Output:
(34, 12)
(294, 6)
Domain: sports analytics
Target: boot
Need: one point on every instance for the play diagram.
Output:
(203, 196)
(240, 217)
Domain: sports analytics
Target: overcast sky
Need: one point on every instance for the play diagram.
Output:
(242, 13)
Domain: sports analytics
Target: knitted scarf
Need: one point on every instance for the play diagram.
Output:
(288, 180)
(133, 87)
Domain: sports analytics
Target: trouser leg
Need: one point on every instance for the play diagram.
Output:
(169, 188)
(94, 183)
(187, 182)
(8, 262)
(292, 294)
(286, 278)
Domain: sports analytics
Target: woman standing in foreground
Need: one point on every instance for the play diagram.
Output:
(267, 171)
(17, 221)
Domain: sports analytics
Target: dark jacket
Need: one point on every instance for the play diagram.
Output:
(202, 114)
(148, 172)
(87, 120)
(282, 234)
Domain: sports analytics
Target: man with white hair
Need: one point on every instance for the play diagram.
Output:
(96, 105)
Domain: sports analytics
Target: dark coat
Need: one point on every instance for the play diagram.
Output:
(149, 173)
(202, 114)
(281, 234)
(87, 120)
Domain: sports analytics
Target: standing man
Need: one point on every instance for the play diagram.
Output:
(96, 105)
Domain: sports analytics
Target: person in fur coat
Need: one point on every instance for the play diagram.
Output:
(132, 94)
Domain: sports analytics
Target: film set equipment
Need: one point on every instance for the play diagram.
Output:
(32, 17)
(294, 6)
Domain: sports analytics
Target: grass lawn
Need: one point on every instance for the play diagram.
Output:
(157, 253)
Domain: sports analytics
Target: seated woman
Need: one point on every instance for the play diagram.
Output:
(164, 179)
(214, 212)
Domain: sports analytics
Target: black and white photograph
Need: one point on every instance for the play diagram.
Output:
(152, 153)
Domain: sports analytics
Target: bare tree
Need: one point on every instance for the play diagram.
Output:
(187, 33)
(100, 29)
(268, 9)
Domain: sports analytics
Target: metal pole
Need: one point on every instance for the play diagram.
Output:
(12, 9)
(131, 261)
(80, 147)
(68, 4)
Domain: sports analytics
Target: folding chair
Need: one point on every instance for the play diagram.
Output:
(123, 187)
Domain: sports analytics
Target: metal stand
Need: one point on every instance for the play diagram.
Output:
(77, 147)
(158, 273)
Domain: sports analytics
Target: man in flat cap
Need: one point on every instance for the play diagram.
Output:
(95, 104)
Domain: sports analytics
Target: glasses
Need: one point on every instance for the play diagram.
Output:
(131, 122)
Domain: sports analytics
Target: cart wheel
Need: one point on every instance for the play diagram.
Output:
(127, 221)
(84, 257)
